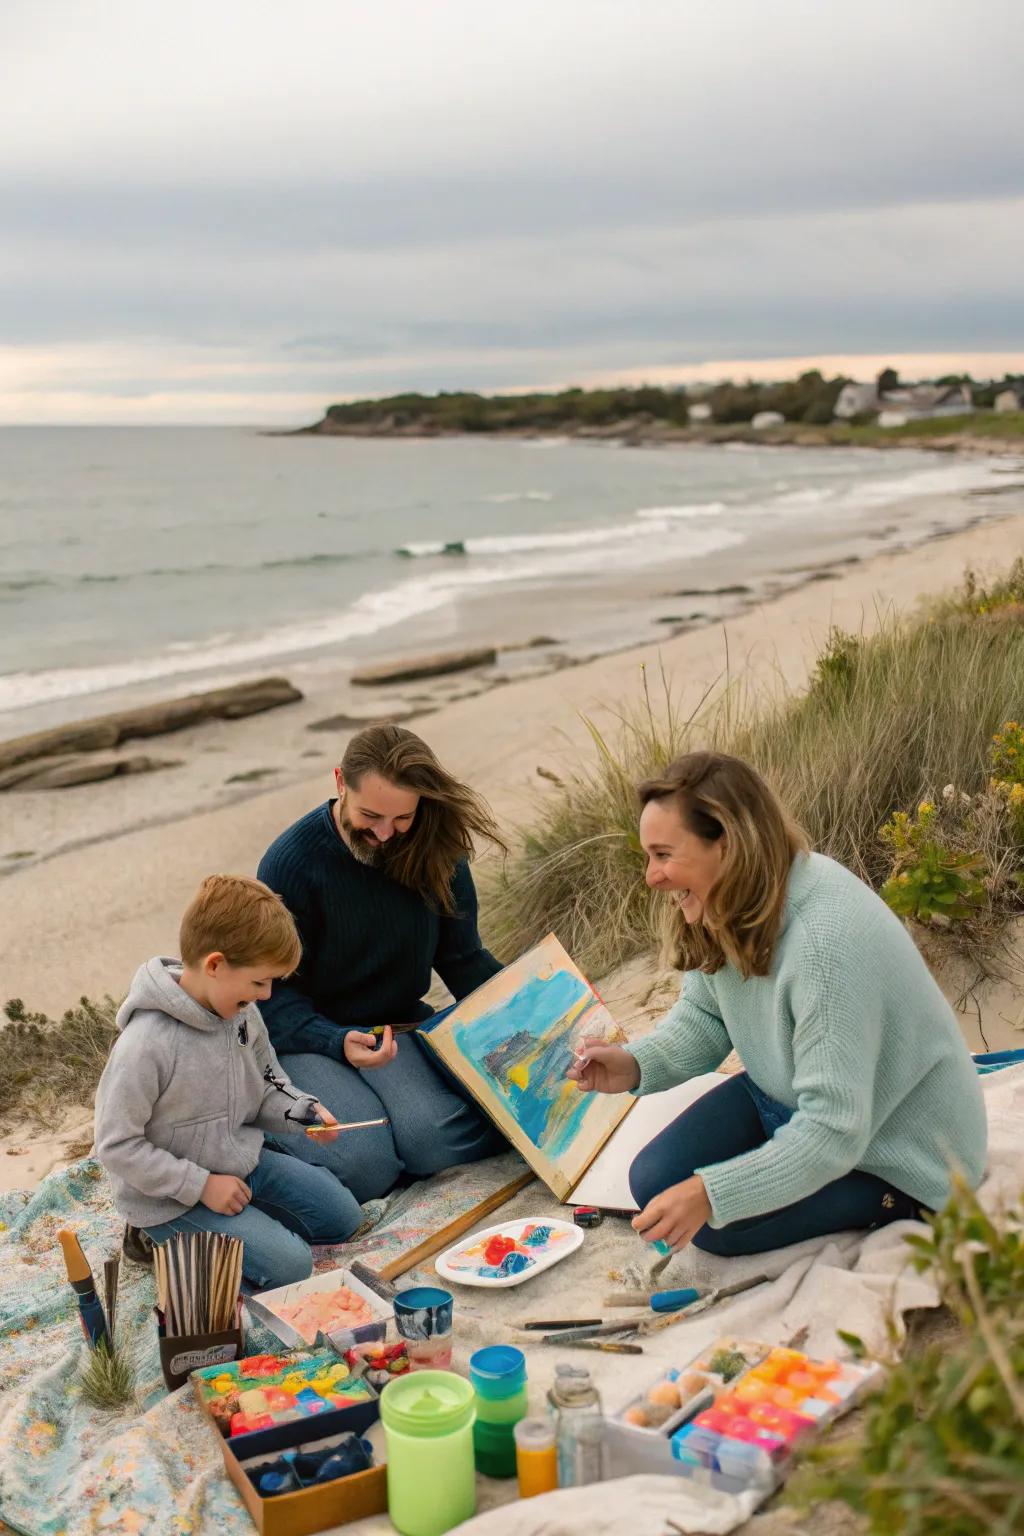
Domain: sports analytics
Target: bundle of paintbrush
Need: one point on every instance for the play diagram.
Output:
(198, 1278)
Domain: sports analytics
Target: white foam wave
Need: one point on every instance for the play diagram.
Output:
(697, 509)
(499, 498)
(575, 555)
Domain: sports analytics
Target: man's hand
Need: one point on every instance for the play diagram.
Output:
(226, 1194)
(323, 1131)
(676, 1215)
(362, 1050)
(602, 1068)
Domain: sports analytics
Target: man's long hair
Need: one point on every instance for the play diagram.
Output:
(448, 817)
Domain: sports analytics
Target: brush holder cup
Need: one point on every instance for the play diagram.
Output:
(423, 1317)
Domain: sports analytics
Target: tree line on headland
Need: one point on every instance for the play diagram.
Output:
(809, 400)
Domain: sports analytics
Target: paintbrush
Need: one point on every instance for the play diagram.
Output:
(656, 1324)
(606, 1346)
(319, 1129)
(595, 1331)
(373, 1282)
(111, 1270)
(91, 1315)
(538, 1325)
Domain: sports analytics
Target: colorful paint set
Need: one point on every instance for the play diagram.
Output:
(733, 1418)
(509, 1254)
(265, 1391)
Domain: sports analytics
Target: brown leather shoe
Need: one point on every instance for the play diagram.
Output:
(137, 1245)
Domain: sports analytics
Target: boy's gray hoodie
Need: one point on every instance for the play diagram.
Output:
(183, 1095)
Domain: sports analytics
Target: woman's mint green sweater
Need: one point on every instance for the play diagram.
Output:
(850, 1030)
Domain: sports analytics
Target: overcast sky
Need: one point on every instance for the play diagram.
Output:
(242, 209)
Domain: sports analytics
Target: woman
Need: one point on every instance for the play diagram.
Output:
(859, 1095)
(379, 885)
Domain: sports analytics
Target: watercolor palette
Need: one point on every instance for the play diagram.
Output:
(509, 1254)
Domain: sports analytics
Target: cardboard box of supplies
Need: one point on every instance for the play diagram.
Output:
(307, 1510)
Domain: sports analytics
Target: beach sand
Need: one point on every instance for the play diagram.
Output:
(112, 865)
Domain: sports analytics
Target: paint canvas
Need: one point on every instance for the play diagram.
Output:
(511, 1043)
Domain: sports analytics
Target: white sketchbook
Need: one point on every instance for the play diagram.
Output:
(606, 1181)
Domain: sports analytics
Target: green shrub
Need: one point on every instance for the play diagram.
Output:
(48, 1064)
(942, 1448)
(930, 881)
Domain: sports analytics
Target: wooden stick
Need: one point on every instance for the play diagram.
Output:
(454, 1229)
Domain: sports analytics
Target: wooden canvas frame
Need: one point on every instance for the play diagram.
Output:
(527, 1020)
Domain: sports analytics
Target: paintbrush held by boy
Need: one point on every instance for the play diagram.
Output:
(192, 1085)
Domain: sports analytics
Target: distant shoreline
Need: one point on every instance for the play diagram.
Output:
(933, 435)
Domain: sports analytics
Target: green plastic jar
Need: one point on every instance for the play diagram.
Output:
(428, 1423)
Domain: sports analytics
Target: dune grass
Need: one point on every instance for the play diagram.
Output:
(886, 722)
(49, 1064)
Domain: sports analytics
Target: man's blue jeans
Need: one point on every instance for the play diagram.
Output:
(292, 1205)
(736, 1118)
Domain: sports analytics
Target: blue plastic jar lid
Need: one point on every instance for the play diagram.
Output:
(497, 1371)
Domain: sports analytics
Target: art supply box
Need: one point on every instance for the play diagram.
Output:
(263, 1305)
(179, 1357)
(312, 1509)
(742, 1409)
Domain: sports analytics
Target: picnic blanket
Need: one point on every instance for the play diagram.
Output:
(155, 1467)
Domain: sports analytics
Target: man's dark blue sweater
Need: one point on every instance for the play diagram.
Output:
(368, 943)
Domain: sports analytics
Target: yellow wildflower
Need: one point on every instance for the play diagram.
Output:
(925, 808)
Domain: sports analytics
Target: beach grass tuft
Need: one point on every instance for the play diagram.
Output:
(888, 720)
(49, 1064)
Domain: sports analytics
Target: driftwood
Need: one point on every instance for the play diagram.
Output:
(103, 732)
(413, 667)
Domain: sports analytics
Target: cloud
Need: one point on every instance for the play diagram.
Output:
(341, 198)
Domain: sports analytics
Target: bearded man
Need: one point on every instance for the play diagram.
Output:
(379, 885)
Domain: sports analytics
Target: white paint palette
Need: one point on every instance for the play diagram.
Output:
(541, 1240)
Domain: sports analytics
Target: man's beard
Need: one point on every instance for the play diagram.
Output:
(361, 840)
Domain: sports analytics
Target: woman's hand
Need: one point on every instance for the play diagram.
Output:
(676, 1215)
(327, 1129)
(364, 1052)
(602, 1068)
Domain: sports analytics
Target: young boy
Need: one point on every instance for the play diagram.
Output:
(192, 1084)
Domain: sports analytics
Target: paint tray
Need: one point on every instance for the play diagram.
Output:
(464, 1262)
(264, 1306)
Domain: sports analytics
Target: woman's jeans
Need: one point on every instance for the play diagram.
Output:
(430, 1124)
(292, 1206)
(733, 1119)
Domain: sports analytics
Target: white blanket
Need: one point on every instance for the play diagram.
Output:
(853, 1282)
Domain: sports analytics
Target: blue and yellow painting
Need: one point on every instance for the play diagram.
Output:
(524, 1048)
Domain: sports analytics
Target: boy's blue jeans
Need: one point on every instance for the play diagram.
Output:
(292, 1205)
(736, 1118)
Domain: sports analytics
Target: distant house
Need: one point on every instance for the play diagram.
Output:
(764, 419)
(700, 411)
(855, 400)
(911, 402)
(1011, 399)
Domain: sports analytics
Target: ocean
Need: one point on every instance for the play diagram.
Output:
(143, 562)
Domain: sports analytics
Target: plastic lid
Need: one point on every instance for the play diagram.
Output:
(427, 1403)
(417, 1296)
(535, 1434)
(498, 1371)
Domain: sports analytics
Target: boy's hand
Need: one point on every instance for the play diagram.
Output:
(226, 1194)
(602, 1068)
(323, 1131)
(362, 1050)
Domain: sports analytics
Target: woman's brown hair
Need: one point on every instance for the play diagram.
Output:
(448, 817)
(722, 797)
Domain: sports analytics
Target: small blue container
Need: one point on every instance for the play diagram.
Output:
(497, 1371)
(424, 1312)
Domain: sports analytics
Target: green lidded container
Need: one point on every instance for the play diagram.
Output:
(498, 1374)
(428, 1423)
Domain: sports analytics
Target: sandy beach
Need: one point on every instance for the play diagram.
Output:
(109, 867)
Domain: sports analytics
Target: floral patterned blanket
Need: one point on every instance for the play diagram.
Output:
(67, 1470)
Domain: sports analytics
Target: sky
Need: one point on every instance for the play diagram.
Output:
(240, 210)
